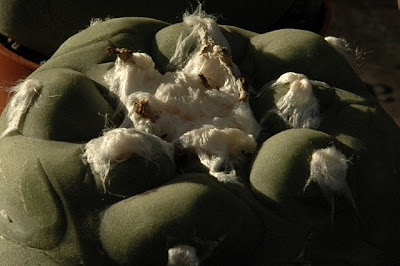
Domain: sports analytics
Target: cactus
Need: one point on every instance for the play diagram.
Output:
(286, 158)
(39, 28)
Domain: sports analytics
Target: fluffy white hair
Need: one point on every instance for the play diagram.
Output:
(26, 93)
(298, 107)
(328, 168)
(118, 145)
(202, 107)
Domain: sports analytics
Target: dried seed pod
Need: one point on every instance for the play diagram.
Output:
(122, 53)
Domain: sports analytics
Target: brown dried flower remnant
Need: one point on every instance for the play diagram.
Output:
(226, 56)
(221, 52)
(243, 90)
(204, 81)
(143, 109)
(123, 53)
(207, 46)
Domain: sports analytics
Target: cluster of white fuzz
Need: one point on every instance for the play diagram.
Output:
(95, 21)
(213, 146)
(26, 93)
(341, 46)
(328, 168)
(203, 26)
(299, 106)
(118, 145)
(201, 107)
(352, 55)
(182, 255)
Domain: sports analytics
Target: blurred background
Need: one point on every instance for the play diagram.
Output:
(374, 28)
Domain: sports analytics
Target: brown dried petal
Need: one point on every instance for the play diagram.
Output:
(143, 109)
(123, 53)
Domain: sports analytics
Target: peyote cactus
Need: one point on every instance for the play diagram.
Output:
(42, 26)
(141, 142)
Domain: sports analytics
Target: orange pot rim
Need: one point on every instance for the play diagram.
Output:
(13, 68)
(17, 59)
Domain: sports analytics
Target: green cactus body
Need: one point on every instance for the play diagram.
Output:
(58, 208)
(59, 21)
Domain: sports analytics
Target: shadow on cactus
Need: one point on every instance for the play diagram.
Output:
(143, 142)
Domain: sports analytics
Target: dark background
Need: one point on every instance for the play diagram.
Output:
(373, 26)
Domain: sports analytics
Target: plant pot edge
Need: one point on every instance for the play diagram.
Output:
(13, 68)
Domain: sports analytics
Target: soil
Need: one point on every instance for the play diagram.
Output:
(373, 27)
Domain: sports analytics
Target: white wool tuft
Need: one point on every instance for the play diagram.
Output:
(132, 76)
(25, 95)
(118, 145)
(95, 21)
(200, 21)
(203, 27)
(214, 146)
(289, 77)
(328, 168)
(182, 255)
(203, 106)
(340, 45)
(299, 107)
(343, 47)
